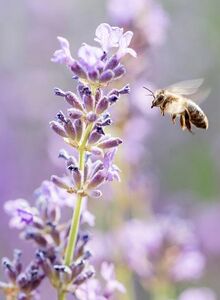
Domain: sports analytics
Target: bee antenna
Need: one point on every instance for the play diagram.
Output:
(151, 92)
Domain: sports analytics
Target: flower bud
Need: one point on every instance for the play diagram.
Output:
(37, 237)
(125, 90)
(77, 176)
(95, 135)
(53, 214)
(87, 254)
(82, 278)
(93, 75)
(97, 179)
(83, 240)
(91, 117)
(113, 98)
(58, 128)
(110, 143)
(17, 261)
(97, 166)
(95, 194)
(106, 76)
(22, 296)
(96, 151)
(77, 69)
(71, 161)
(119, 71)
(59, 182)
(112, 63)
(79, 129)
(89, 102)
(38, 223)
(22, 281)
(55, 234)
(63, 154)
(98, 95)
(59, 92)
(65, 273)
(61, 117)
(74, 113)
(102, 105)
(9, 269)
(106, 122)
(77, 269)
(70, 129)
(45, 264)
(72, 99)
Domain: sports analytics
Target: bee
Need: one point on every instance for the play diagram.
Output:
(175, 101)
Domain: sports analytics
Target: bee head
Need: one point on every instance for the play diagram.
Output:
(158, 98)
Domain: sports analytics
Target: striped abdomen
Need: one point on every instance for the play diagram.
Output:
(197, 116)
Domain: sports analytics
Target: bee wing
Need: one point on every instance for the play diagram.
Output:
(187, 87)
(201, 95)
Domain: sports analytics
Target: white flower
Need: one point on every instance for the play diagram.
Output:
(107, 36)
(124, 42)
(89, 54)
(63, 55)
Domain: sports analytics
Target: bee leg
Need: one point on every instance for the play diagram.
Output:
(162, 111)
(173, 116)
(187, 121)
(182, 122)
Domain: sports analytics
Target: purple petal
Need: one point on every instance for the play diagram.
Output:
(26, 216)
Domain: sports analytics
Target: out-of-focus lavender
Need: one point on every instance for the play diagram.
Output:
(198, 294)
(163, 249)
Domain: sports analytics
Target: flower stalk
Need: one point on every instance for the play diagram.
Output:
(69, 252)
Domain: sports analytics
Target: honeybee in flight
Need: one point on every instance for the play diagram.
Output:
(174, 101)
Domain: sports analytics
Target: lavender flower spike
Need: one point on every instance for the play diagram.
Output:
(97, 66)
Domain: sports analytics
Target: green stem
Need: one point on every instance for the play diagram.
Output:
(70, 249)
(73, 232)
(61, 294)
(69, 253)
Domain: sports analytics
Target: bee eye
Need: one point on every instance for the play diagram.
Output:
(160, 98)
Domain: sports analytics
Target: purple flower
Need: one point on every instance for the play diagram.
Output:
(93, 289)
(90, 291)
(98, 64)
(189, 265)
(21, 213)
(112, 171)
(197, 294)
(112, 285)
(142, 239)
(63, 55)
(49, 195)
(26, 216)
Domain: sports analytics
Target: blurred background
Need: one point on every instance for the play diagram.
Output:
(169, 171)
